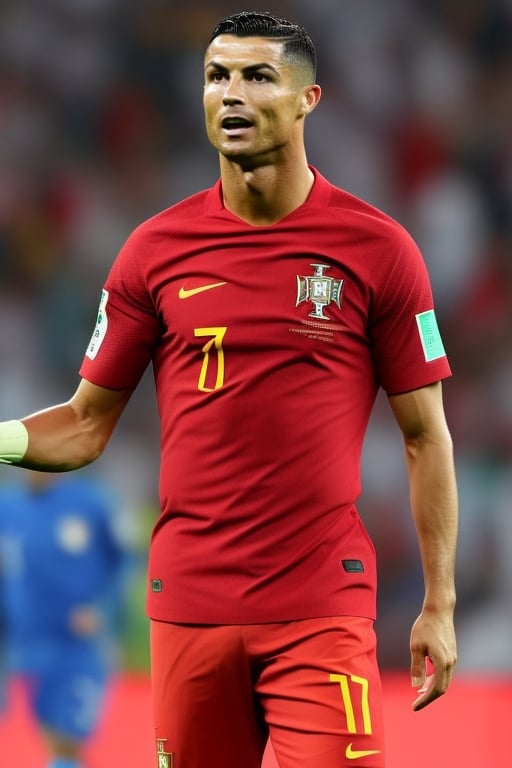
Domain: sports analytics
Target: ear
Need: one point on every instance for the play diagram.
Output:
(310, 98)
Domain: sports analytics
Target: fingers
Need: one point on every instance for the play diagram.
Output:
(418, 668)
(433, 683)
(428, 694)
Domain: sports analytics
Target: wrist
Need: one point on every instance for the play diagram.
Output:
(440, 604)
(13, 441)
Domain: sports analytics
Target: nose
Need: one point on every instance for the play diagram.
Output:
(233, 93)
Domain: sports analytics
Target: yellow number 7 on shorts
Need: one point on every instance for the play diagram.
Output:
(348, 701)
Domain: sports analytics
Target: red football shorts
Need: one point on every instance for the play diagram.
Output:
(312, 686)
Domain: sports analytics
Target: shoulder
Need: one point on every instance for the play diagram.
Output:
(170, 218)
(149, 239)
(154, 235)
(362, 217)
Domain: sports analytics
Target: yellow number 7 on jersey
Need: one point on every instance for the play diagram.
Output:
(217, 333)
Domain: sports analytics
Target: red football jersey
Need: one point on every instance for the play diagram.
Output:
(268, 346)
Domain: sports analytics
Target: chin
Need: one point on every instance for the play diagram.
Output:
(249, 158)
(237, 155)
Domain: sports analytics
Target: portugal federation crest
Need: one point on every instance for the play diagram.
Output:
(320, 289)
(164, 759)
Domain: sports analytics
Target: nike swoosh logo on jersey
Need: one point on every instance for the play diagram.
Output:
(186, 293)
(355, 754)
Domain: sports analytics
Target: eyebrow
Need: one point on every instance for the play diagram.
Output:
(246, 70)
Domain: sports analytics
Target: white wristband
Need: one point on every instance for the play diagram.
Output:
(13, 441)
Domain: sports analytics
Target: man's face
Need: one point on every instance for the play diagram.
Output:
(253, 98)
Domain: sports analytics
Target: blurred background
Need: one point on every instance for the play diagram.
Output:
(101, 126)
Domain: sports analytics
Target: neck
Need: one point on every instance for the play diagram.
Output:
(267, 193)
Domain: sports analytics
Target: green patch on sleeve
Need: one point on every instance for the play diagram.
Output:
(429, 335)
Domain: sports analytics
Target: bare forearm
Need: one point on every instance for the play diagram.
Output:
(434, 507)
(60, 439)
(434, 504)
(66, 436)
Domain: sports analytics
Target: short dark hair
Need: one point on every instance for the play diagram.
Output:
(297, 41)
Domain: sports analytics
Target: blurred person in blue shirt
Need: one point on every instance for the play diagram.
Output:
(64, 568)
(2, 648)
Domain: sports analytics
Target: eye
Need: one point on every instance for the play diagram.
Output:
(258, 77)
(216, 76)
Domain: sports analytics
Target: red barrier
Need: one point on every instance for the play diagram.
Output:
(469, 727)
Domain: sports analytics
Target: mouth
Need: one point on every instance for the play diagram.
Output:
(235, 126)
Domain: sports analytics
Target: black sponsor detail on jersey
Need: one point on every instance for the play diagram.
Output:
(353, 566)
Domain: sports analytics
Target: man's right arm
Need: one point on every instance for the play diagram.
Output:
(66, 436)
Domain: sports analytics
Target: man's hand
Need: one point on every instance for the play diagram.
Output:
(433, 655)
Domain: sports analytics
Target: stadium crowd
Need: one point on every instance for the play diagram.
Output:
(101, 126)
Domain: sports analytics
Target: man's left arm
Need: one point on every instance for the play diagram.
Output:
(434, 504)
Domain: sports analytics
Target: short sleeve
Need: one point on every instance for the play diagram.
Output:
(127, 326)
(407, 347)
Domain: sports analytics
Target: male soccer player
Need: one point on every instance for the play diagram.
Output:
(272, 307)
(63, 567)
